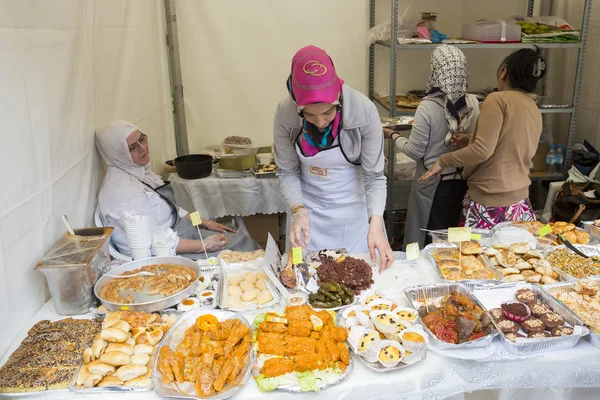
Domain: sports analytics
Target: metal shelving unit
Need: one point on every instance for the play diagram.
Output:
(392, 111)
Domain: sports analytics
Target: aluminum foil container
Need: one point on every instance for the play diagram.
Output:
(416, 296)
(566, 287)
(430, 248)
(174, 337)
(144, 302)
(541, 345)
(585, 249)
(375, 366)
(441, 236)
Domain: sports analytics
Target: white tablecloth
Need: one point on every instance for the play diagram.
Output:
(215, 197)
(437, 377)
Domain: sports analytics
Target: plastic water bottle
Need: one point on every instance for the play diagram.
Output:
(559, 161)
(551, 161)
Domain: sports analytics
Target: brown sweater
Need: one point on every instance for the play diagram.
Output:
(497, 160)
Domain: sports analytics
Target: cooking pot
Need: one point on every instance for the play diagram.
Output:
(193, 166)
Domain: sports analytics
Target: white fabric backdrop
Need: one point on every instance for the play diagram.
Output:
(67, 67)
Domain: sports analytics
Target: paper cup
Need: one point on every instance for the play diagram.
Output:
(164, 251)
(138, 253)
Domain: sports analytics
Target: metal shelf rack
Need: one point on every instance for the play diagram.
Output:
(392, 111)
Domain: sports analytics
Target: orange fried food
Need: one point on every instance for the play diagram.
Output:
(326, 317)
(299, 312)
(277, 366)
(308, 362)
(344, 354)
(164, 364)
(297, 345)
(274, 327)
(235, 336)
(298, 331)
(233, 364)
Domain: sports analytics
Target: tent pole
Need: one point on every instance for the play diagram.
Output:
(181, 136)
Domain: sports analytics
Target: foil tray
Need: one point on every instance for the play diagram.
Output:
(432, 292)
(540, 345)
(144, 302)
(566, 287)
(585, 249)
(468, 282)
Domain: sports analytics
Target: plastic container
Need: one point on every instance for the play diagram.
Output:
(551, 161)
(72, 266)
(492, 31)
(559, 160)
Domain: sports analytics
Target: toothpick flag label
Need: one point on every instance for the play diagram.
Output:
(297, 255)
(196, 219)
(459, 234)
(412, 251)
(546, 229)
(476, 236)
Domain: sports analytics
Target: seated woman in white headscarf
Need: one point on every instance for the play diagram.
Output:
(131, 187)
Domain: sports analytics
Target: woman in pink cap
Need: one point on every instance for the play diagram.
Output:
(329, 151)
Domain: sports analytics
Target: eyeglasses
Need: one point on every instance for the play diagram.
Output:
(137, 145)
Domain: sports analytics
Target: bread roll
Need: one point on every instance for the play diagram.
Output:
(98, 347)
(135, 332)
(514, 278)
(547, 279)
(122, 347)
(110, 381)
(246, 285)
(233, 290)
(92, 380)
(88, 355)
(140, 381)
(98, 367)
(142, 348)
(131, 371)
(115, 358)
(113, 335)
(140, 359)
(154, 336)
(111, 318)
(235, 279)
(235, 302)
(250, 277)
(83, 374)
(262, 275)
(536, 278)
(250, 295)
(122, 325)
(264, 297)
(130, 341)
(260, 284)
(523, 266)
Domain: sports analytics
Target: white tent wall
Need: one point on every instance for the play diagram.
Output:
(236, 55)
(67, 67)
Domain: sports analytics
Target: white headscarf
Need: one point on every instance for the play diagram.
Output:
(124, 178)
(450, 75)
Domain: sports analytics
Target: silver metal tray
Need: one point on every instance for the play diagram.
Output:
(415, 294)
(174, 337)
(469, 282)
(541, 345)
(143, 301)
(584, 248)
(375, 366)
(566, 287)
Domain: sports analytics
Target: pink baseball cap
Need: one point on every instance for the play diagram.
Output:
(314, 79)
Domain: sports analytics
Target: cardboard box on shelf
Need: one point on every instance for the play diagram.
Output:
(539, 159)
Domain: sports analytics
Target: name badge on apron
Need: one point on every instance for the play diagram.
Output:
(323, 172)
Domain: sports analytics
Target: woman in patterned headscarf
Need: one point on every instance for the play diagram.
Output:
(443, 122)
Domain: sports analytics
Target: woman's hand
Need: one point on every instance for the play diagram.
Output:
(300, 232)
(376, 240)
(216, 227)
(214, 243)
(388, 133)
(459, 140)
(436, 169)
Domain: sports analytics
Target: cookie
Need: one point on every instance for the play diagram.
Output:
(526, 296)
(508, 326)
(562, 331)
(538, 309)
(513, 336)
(538, 335)
(552, 320)
(532, 325)
(497, 314)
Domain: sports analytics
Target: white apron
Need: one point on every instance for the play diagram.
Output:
(334, 192)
